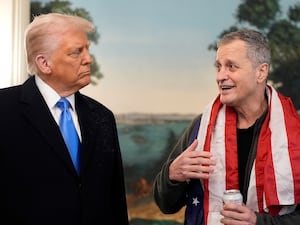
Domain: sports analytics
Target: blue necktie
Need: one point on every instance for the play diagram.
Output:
(69, 132)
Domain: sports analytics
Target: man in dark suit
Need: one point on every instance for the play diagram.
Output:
(39, 181)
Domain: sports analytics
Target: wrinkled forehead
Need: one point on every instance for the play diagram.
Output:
(233, 48)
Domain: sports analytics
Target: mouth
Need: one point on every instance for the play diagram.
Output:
(225, 88)
(86, 73)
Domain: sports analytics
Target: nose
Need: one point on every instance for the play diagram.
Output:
(87, 58)
(222, 74)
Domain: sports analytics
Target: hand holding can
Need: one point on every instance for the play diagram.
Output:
(232, 195)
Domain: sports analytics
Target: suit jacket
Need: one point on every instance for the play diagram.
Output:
(38, 183)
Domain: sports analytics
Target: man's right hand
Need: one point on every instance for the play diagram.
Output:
(191, 164)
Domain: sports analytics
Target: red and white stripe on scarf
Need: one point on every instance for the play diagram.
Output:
(274, 185)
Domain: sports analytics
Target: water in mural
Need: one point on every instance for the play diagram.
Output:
(146, 141)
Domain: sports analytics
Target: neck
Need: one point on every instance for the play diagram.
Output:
(247, 117)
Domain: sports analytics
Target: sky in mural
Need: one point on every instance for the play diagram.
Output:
(154, 53)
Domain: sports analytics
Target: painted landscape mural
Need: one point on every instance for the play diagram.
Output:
(146, 141)
(154, 69)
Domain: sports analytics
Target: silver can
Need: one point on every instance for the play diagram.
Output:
(233, 195)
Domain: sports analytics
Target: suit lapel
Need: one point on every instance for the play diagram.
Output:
(93, 125)
(87, 121)
(37, 113)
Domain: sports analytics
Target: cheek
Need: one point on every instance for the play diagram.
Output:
(67, 69)
(247, 89)
(75, 66)
(71, 69)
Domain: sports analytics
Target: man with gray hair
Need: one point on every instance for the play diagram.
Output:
(247, 139)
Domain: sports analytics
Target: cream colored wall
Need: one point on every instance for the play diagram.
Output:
(14, 16)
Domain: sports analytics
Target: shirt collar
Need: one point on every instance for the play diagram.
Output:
(50, 95)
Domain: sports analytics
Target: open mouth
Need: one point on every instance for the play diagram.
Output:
(226, 87)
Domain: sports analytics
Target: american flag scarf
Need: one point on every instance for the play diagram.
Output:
(275, 176)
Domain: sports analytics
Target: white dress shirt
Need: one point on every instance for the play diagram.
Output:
(51, 98)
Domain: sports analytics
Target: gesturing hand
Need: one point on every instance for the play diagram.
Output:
(191, 164)
(235, 214)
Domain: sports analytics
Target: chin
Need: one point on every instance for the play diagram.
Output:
(222, 99)
(85, 81)
(225, 101)
(82, 85)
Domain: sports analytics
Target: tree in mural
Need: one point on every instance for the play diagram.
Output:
(283, 31)
(57, 6)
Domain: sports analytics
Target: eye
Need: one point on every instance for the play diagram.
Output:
(75, 53)
(232, 67)
(218, 67)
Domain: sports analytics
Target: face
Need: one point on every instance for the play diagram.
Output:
(236, 75)
(70, 63)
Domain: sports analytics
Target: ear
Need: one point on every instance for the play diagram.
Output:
(42, 63)
(262, 72)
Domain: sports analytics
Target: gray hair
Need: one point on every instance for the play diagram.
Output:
(258, 45)
(43, 34)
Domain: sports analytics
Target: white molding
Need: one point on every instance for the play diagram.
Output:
(14, 15)
(21, 12)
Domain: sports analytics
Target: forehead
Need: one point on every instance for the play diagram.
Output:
(73, 38)
(236, 49)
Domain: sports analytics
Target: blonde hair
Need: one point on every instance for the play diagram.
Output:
(44, 32)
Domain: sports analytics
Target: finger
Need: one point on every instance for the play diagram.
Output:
(199, 168)
(201, 158)
(197, 175)
(191, 150)
(193, 146)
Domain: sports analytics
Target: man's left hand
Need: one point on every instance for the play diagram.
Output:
(235, 214)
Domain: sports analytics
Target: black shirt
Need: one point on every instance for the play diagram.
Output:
(244, 142)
